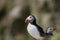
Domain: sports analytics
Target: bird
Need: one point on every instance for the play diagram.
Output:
(51, 29)
(34, 29)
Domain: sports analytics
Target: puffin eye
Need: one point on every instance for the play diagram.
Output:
(30, 17)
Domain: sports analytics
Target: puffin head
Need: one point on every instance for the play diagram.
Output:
(30, 19)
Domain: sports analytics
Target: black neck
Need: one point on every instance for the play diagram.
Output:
(34, 22)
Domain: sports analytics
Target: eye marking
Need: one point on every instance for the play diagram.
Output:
(30, 17)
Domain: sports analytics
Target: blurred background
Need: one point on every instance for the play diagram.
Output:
(14, 12)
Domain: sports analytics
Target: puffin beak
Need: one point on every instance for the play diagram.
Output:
(26, 20)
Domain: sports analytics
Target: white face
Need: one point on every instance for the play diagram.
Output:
(29, 19)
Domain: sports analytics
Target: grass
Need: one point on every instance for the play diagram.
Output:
(56, 37)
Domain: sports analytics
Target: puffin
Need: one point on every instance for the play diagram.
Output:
(34, 29)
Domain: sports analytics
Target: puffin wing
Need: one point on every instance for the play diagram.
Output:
(40, 29)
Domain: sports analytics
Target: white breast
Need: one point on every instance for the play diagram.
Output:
(33, 31)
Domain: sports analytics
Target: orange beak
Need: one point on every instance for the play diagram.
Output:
(26, 20)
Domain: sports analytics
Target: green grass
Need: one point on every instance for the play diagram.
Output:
(56, 37)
